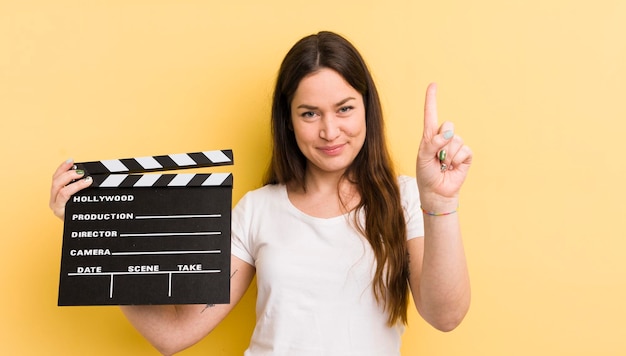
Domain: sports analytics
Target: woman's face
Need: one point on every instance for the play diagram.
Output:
(328, 118)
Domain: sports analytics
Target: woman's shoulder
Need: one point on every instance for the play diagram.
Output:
(404, 181)
(264, 194)
(266, 190)
(408, 187)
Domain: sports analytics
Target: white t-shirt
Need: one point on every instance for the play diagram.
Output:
(314, 277)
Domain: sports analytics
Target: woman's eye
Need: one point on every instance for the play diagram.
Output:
(308, 114)
(345, 109)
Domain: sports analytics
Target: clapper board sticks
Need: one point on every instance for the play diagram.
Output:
(139, 237)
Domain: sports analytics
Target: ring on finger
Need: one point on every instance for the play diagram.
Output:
(441, 155)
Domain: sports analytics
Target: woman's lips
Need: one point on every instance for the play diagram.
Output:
(332, 150)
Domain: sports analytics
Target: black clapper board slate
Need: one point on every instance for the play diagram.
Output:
(139, 239)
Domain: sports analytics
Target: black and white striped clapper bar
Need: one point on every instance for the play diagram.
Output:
(139, 237)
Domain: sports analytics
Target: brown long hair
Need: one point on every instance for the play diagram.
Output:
(372, 170)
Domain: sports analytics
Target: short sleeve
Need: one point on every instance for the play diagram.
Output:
(240, 230)
(409, 196)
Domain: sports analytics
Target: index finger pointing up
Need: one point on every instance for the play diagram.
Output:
(430, 111)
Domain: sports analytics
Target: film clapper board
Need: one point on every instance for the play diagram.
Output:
(149, 238)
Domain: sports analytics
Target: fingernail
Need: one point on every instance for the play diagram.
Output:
(80, 172)
(69, 160)
(448, 134)
(87, 179)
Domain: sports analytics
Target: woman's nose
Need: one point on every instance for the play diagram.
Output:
(330, 129)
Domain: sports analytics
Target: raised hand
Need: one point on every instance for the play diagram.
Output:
(440, 180)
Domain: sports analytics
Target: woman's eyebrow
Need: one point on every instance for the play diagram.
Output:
(305, 106)
(311, 107)
(345, 101)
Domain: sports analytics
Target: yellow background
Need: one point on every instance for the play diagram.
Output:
(535, 87)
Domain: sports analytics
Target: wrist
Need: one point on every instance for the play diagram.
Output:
(439, 205)
(438, 213)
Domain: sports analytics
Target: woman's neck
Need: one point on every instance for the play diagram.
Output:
(324, 195)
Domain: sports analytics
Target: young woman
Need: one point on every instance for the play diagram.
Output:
(337, 240)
